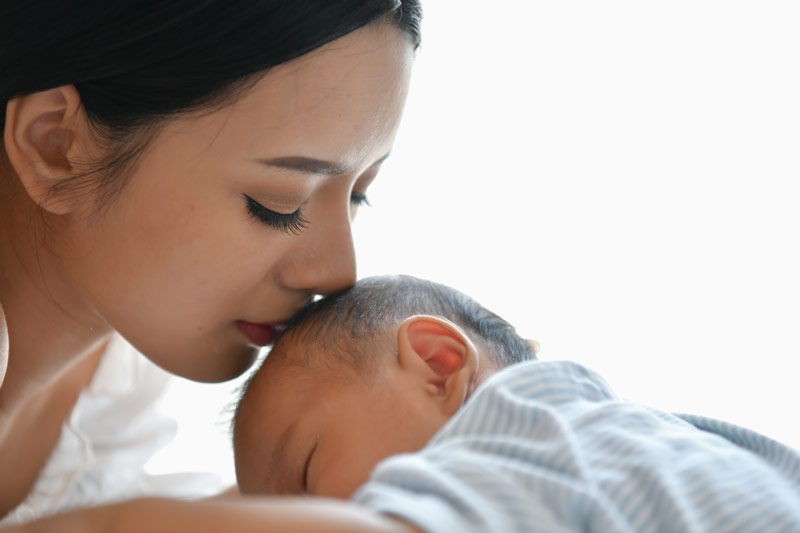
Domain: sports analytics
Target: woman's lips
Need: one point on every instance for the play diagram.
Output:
(260, 334)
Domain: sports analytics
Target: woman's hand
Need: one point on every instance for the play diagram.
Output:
(256, 514)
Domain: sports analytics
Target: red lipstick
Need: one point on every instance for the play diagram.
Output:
(260, 334)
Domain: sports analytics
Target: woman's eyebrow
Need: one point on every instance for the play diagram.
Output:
(310, 165)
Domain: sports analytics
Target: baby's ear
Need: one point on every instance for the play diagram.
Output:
(441, 356)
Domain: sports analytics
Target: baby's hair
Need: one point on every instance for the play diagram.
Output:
(355, 326)
(355, 323)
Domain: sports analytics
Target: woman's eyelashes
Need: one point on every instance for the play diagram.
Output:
(359, 198)
(292, 223)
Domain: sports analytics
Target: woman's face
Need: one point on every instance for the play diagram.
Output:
(232, 219)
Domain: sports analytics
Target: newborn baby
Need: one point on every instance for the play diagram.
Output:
(360, 376)
(501, 441)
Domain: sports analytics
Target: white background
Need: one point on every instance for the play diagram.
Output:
(617, 179)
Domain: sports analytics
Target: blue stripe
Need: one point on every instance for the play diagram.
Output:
(550, 441)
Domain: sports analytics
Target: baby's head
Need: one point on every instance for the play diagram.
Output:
(372, 371)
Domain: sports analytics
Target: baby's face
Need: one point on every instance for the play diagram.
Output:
(321, 430)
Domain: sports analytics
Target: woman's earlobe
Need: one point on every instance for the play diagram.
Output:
(40, 137)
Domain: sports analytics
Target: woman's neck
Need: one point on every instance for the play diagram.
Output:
(49, 327)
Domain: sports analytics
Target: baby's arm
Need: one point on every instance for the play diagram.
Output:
(261, 514)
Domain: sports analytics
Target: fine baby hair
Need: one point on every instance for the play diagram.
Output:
(351, 325)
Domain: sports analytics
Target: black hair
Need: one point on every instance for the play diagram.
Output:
(352, 324)
(137, 62)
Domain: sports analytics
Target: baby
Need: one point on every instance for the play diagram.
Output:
(396, 365)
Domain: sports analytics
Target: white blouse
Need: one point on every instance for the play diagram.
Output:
(114, 429)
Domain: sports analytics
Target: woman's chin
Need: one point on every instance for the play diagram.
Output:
(208, 366)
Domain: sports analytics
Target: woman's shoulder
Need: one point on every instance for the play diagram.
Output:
(3, 345)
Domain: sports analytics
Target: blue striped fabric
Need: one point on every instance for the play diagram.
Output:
(548, 446)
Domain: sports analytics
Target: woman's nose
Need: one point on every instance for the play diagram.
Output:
(325, 262)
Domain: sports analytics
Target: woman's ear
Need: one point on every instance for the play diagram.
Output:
(440, 356)
(40, 140)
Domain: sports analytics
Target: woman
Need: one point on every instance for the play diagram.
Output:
(184, 175)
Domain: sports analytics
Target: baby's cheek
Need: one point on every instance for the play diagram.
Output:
(341, 478)
(244, 477)
(246, 460)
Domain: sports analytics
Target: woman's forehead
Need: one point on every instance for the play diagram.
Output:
(356, 85)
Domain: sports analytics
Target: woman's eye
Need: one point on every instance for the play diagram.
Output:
(359, 198)
(292, 223)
